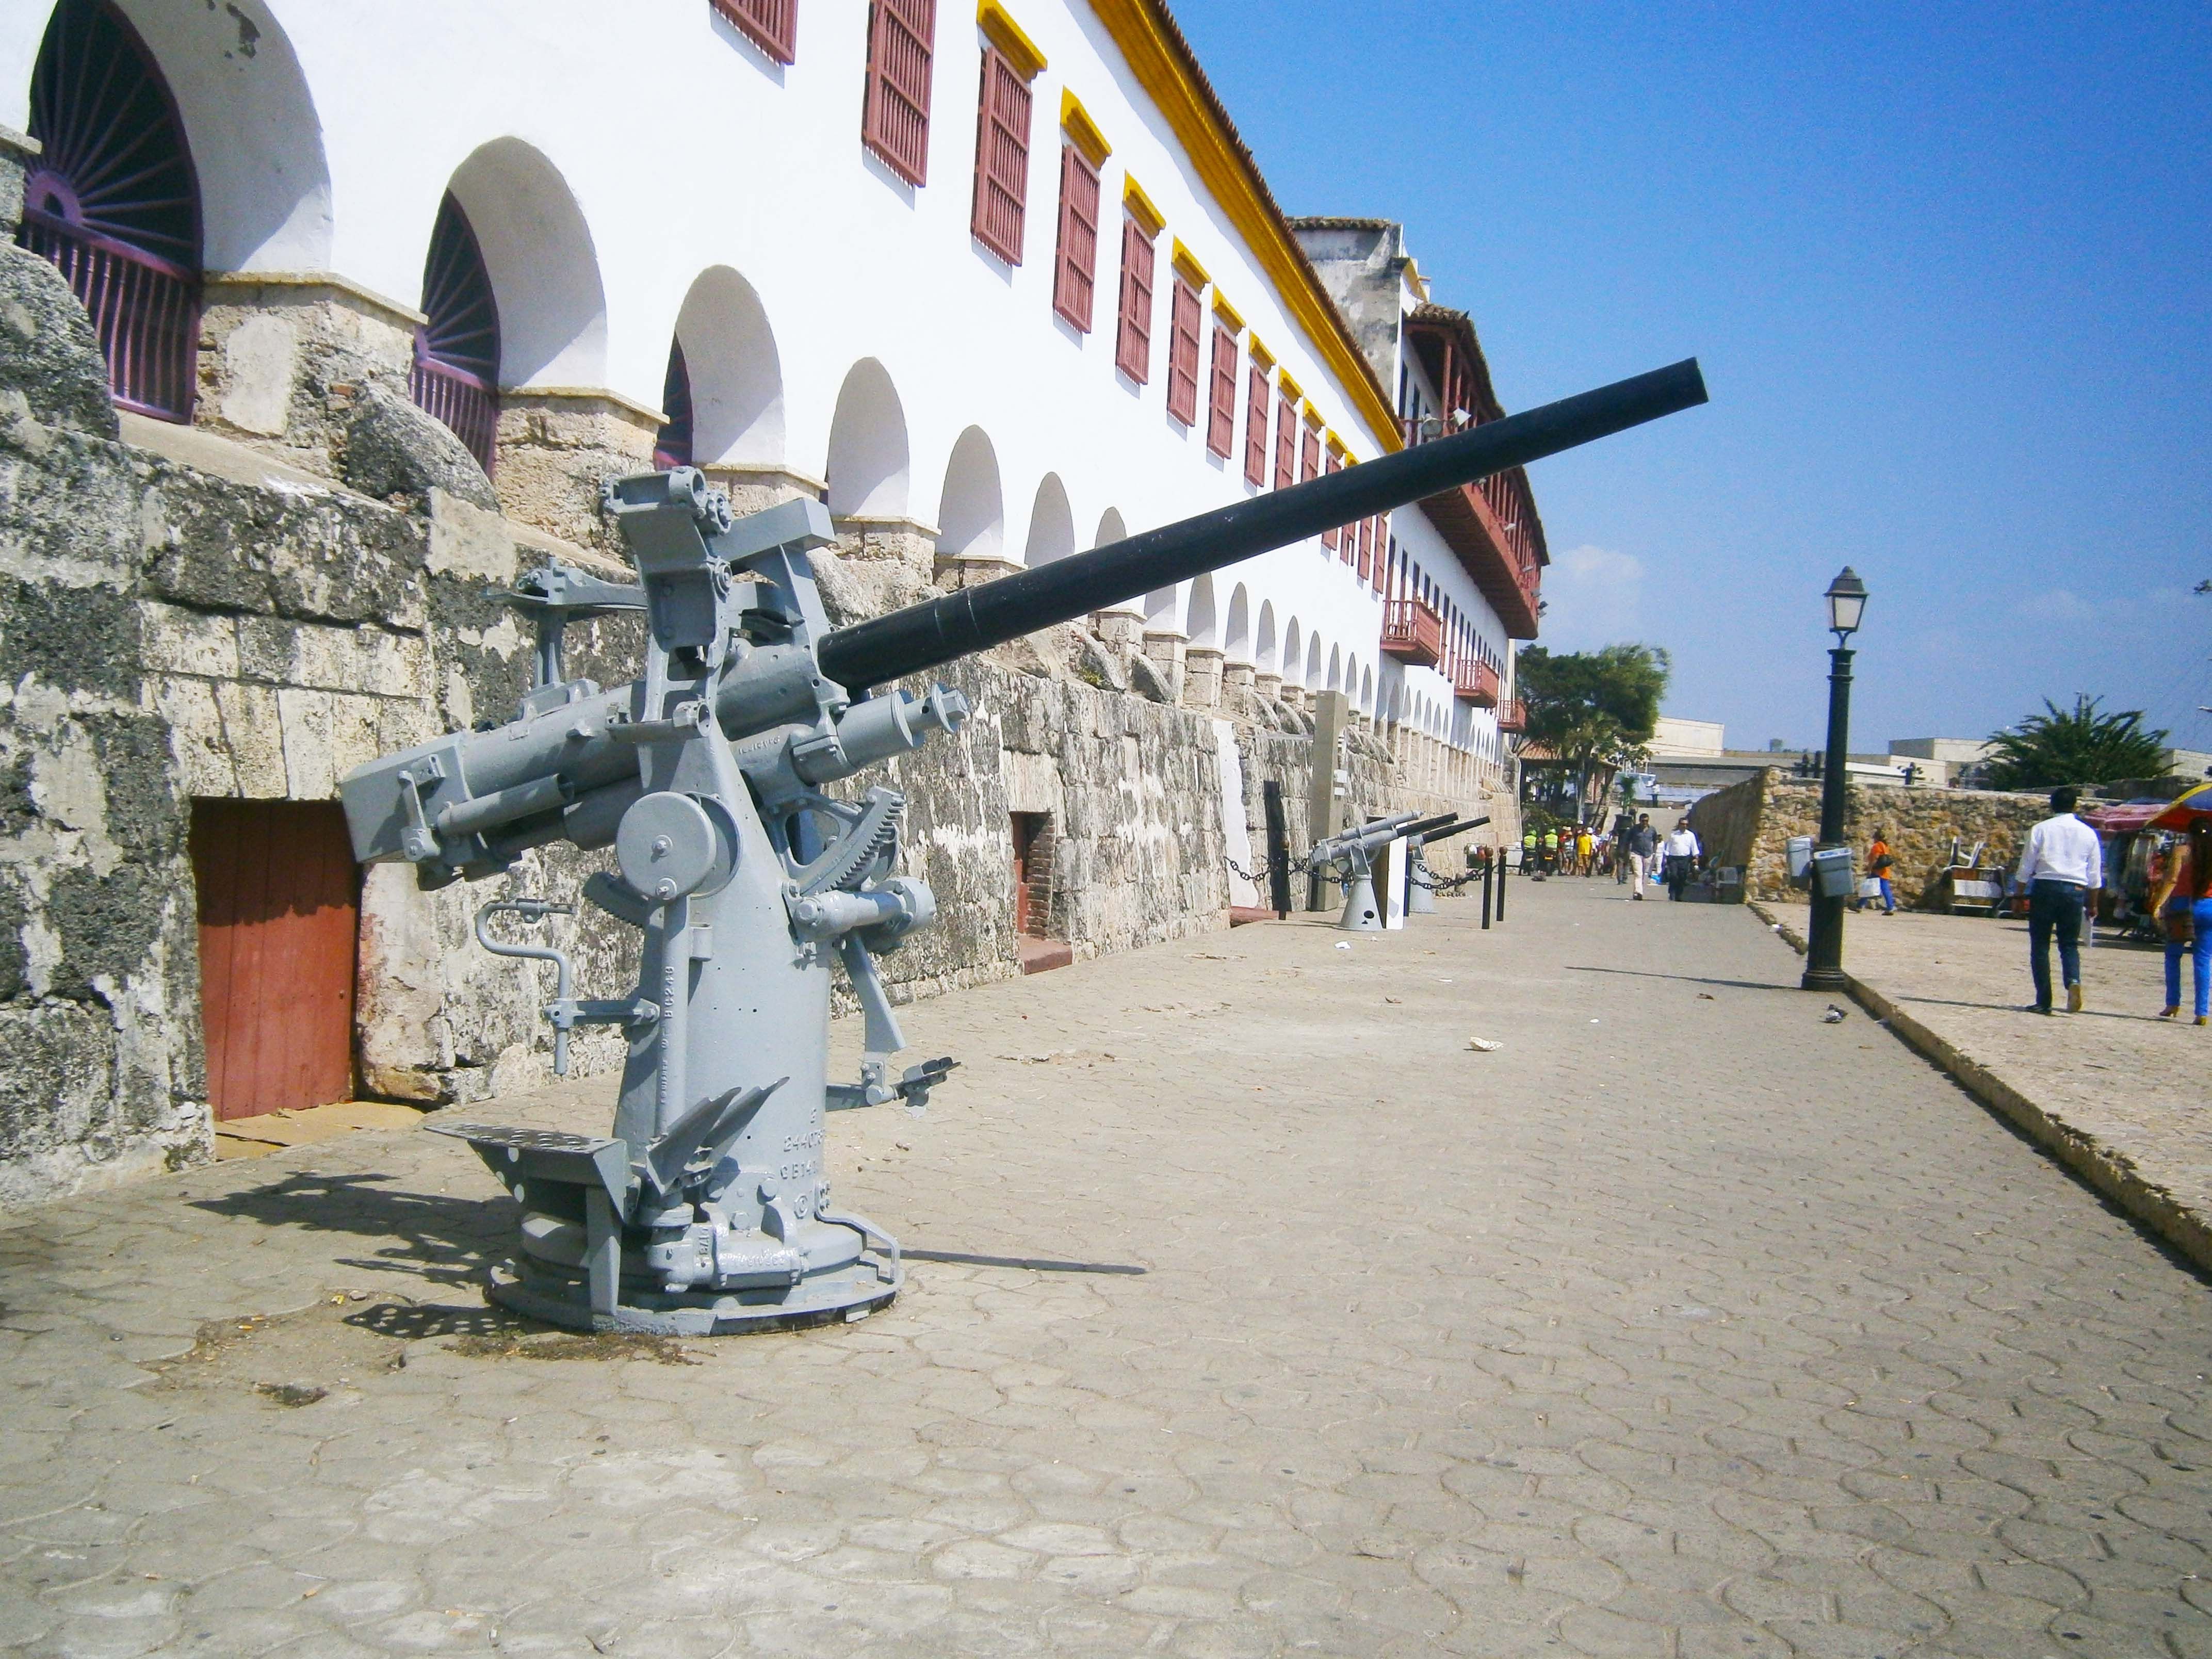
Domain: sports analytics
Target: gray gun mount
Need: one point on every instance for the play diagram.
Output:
(1348, 858)
(706, 1209)
(1420, 882)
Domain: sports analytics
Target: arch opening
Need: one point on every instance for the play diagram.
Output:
(971, 512)
(734, 373)
(540, 257)
(455, 374)
(1264, 656)
(868, 461)
(1202, 623)
(1236, 634)
(1052, 524)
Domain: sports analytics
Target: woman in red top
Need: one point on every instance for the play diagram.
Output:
(2182, 905)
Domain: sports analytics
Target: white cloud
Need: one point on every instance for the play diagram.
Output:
(1594, 596)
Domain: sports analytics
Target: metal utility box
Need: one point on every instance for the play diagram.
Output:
(1832, 872)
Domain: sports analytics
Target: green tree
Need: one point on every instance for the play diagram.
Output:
(2075, 746)
(1592, 708)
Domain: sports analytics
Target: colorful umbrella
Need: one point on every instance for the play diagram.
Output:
(2194, 807)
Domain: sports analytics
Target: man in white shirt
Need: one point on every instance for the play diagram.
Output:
(1680, 853)
(2064, 864)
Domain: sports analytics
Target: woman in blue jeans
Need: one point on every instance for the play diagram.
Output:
(2182, 905)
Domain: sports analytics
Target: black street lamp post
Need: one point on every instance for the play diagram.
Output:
(1824, 942)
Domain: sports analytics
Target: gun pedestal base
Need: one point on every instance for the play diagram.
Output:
(1362, 914)
(536, 1291)
(1420, 897)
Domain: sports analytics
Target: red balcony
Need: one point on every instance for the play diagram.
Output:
(1474, 681)
(1512, 717)
(1413, 633)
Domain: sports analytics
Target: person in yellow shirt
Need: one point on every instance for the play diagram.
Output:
(1585, 850)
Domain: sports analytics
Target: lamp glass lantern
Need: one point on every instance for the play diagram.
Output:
(1847, 598)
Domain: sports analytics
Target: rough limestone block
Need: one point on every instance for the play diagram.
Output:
(50, 367)
(397, 452)
(253, 732)
(197, 740)
(178, 641)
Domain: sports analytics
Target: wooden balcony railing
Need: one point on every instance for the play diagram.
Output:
(1492, 525)
(468, 407)
(1411, 632)
(1474, 681)
(1512, 716)
(145, 310)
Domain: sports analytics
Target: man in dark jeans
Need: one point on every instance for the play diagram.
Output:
(2063, 865)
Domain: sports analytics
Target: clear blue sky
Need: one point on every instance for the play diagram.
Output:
(1949, 270)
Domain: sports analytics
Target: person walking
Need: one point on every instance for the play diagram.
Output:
(1681, 852)
(1879, 863)
(2183, 904)
(1585, 850)
(1624, 826)
(1642, 844)
(2064, 864)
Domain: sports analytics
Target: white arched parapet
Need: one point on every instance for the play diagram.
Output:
(538, 252)
(869, 461)
(1163, 611)
(1313, 680)
(256, 140)
(1202, 623)
(1294, 662)
(971, 512)
(737, 375)
(1052, 524)
(1111, 528)
(1236, 635)
(1263, 654)
(1367, 691)
(1336, 668)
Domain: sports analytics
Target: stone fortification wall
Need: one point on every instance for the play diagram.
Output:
(183, 619)
(1749, 825)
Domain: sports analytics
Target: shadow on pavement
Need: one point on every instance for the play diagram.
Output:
(434, 1236)
(1687, 979)
(1038, 1264)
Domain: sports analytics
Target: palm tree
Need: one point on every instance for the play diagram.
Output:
(2075, 746)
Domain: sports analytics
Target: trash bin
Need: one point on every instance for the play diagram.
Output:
(1832, 872)
(1799, 851)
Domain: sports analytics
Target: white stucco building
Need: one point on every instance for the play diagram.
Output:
(998, 284)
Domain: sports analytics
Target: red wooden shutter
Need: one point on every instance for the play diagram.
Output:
(895, 121)
(771, 25)
(1132, 351)
(1221, 422)
(1311, 456)
(1367, 548)
(1286, 443)
(1182, 351)
(1075, 276)
(1255, 427)
(1002, 158)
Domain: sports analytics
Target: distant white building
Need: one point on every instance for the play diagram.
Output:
(1673, 738)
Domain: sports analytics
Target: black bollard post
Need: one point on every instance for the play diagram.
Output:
(1489, 864)
(1279, 850)
(1502, 872)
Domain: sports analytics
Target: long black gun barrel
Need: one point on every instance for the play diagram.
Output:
(1460, 827)
(921, 636)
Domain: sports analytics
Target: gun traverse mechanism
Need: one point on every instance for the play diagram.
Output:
(706, 1209)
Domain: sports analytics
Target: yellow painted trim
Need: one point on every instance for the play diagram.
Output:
(1141, 205)
(1002, 32)
(1331, 442)
(1312, 416)
(1229, 178)
(1261, 354)
(1075, 121)
(1290, 388)
(1227, 313)
(1186, 262)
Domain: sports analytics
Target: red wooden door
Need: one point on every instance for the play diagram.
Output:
(279, 915)
(1024, 828)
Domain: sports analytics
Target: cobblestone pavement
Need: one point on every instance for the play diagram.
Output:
(2134, 1085)
(1255, 1314)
